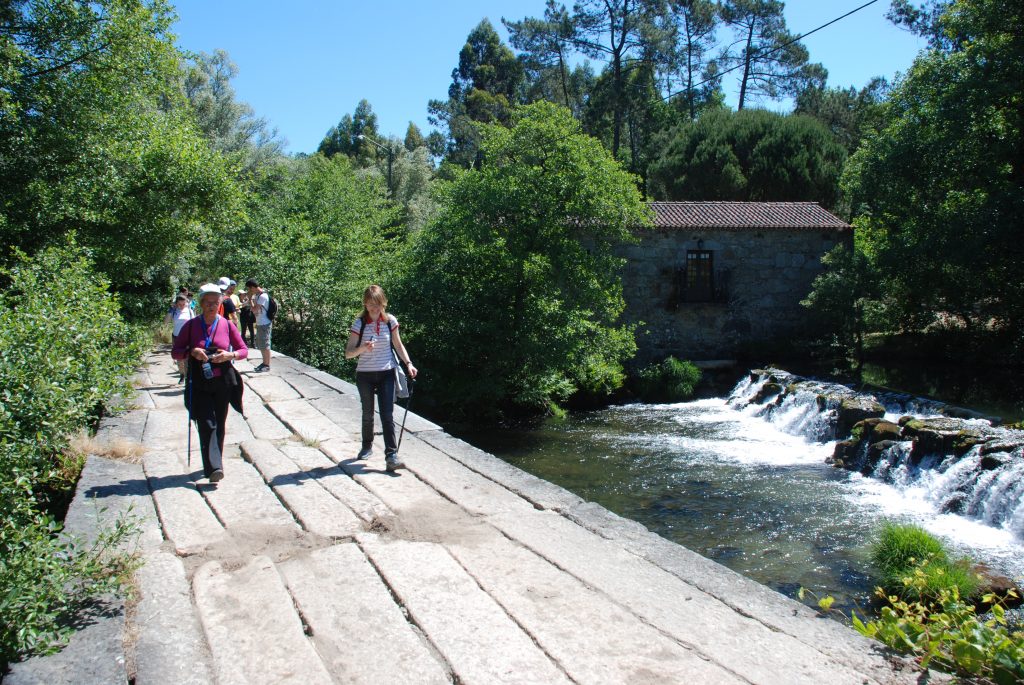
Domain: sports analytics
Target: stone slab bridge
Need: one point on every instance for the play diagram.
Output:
(307, 566)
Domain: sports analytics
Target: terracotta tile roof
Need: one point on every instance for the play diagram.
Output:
(739, 215)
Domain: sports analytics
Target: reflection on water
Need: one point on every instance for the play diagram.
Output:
(736, 489)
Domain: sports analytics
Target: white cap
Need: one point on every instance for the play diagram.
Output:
(224, 283)
(208, 288)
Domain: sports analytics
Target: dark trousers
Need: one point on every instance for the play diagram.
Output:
(210, 412)
(381, 384)
(248, 321)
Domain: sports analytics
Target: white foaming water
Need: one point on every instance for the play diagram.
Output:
(727, 433)
(976, 508)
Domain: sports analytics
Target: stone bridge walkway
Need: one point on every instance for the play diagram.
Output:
(306, 566)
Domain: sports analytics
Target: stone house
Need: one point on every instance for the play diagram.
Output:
(712, 280)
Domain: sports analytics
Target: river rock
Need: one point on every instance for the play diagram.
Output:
(767, 390)
(999, 585)
(855, 409)
(942, 436)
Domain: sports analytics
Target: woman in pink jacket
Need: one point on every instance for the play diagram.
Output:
(210, 342)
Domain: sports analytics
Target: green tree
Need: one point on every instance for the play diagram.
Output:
(231, 126)
(414, 138)
(485, 86)
(773, 65)
(513, 296)
(626, 35)
(546, 49)
(752, 155)
(695, 25)
(349, 137)
(939, 187)
(850, 114)
(88, 144)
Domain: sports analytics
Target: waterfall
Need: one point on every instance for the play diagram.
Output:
(962, 466)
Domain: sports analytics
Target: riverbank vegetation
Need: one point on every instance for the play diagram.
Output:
(671, 380)
(128, 168)
(58, 372)
(930, 608)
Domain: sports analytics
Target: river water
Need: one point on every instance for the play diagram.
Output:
(753, 494)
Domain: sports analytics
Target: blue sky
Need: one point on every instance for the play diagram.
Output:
(303, 64)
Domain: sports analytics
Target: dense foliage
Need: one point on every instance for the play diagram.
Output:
(939, 188)
(57, 371)
(512, 291)
(671, 380)
(93, 140)
(753, 155)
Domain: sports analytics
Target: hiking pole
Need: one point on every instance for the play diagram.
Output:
(408, 401)
(188, 384)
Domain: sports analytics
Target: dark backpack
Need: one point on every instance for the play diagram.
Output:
(271, 307)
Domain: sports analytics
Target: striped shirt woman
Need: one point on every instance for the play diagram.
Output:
(371, 338)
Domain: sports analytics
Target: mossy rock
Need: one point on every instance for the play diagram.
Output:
(965, 440)
(885, 430)
(843, 451)
(853, 410)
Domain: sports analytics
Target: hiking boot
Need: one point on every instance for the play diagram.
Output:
(217, 476)
(392, 463)
(365, 453)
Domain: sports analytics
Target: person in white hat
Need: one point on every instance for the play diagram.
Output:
(211, 342)
(230, 304)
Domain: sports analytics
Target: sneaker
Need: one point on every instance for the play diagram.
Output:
(365, 453)
(181, 378)
(217, 476)
(392, 463)
(262, 368)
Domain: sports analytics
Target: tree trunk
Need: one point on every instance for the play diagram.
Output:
(746, 64)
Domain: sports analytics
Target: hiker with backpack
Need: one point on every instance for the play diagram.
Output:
(264, 309)
(374, 338)
(210, 342)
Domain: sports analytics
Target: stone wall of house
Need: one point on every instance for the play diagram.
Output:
(762, 275)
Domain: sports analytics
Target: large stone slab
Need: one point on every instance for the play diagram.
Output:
(751, 649)
(338, 384)
(270, 387)
(305, 421)
(318, 510)
(186, 518)
(108, 490)
(358, 630)
(243, 500)
(467, 488)
(262, 423)
(746, 596)
(315, 463)
(170, 647)
(593, 639)
(168, 430)
(539, 492)
(473, 633)
(252, 628)
(307, 386)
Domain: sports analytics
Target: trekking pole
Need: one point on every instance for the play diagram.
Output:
(188, 383)
(408, 401)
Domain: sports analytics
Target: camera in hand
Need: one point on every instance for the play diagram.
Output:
(207, 366)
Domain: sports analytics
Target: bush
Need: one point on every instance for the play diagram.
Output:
(65, 353)
(905, 550)
(670, 381)
(947, 633)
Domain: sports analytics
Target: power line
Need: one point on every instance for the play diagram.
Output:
(775, 49)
